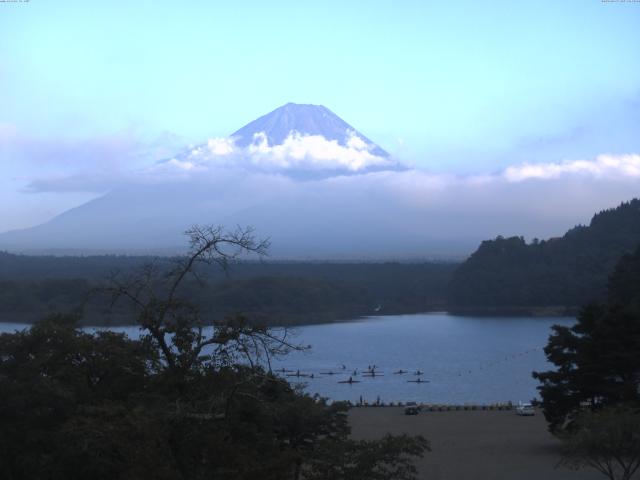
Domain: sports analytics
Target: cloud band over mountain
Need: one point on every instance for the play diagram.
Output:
(300, 155)
(326, 191)
(296, 152)
(343, 212)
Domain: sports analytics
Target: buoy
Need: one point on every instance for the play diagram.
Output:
(283, 370)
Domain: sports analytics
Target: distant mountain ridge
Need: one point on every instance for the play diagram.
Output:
(305, 119)
(564, 272)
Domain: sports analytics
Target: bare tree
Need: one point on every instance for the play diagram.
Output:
(184, 337)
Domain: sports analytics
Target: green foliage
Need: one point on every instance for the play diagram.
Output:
(53, 376)
(560, 272)
(607, 440)
(35, 299)
(598, 359)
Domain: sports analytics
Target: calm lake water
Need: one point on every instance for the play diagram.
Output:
(464, 359)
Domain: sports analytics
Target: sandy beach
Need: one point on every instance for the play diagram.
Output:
(470, 445)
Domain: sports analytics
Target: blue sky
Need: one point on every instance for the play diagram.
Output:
(462, 87)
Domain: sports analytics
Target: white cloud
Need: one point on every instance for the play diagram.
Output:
(298, 152)
(604, 166)
(221, 146)
(316, 152)
(327, 159)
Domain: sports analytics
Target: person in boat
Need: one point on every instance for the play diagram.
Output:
(351, 380)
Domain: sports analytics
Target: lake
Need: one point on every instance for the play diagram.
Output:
(465, 359)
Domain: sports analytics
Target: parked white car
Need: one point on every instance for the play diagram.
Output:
(525, 410)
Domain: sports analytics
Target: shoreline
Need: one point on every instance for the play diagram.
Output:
(546, 311)
(32, 319)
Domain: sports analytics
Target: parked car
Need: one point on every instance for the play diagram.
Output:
(525, 410)
(411, 410)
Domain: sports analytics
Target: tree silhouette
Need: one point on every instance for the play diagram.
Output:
(192, 398)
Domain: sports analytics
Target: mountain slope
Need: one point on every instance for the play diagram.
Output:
(567, 272)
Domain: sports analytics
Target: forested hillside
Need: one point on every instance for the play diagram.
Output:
(272, 292)
(508, 273)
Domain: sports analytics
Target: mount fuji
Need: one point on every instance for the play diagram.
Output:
(305, 142)
(300, 175)
(305, 119)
